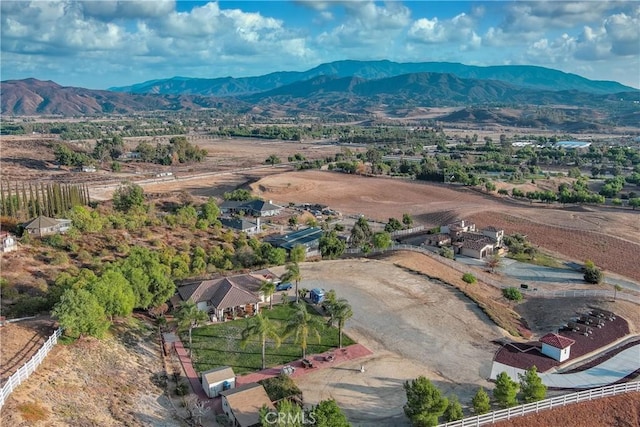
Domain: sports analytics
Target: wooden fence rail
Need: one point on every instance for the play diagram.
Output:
(529, 408)
(27, 369)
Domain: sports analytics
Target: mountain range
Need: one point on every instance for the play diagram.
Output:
(341, 87)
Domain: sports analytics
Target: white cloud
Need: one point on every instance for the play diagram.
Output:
(459, 29)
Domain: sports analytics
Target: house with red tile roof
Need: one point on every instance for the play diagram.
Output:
(556, 346)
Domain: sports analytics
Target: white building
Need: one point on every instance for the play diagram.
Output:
(8, 242)
(219, 379)
(556, 346)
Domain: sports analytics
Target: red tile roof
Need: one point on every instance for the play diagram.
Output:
(557, 341)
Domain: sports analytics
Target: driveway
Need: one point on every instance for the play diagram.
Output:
(413, 326)
(541, 276)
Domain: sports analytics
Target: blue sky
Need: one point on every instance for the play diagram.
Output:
(99, 44)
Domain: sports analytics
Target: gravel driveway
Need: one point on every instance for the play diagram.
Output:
(413, 326)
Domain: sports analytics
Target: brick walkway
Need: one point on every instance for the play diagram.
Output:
(345, 354)
(191, 374)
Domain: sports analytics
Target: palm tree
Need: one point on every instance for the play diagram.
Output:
(340, 311)
(301, 325)
(268, 289)
(262, 328)
(293, 275)
(189, 316)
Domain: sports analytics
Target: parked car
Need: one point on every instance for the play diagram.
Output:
(284, 286)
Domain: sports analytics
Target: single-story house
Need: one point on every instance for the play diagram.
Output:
(225, 297)
(45, 226)
(242, 225)
(8, 242)
(255, 207)
(242, 404)
(556, 346)
(219, 379)
(308, 237)
(481, 248)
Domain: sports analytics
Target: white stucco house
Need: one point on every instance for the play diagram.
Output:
(556, 346)
(8, 242)
(219, 379)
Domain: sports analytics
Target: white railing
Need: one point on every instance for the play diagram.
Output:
(27, 369)
(529, 408)
(416, 229)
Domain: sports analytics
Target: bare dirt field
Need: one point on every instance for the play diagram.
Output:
(610, 238)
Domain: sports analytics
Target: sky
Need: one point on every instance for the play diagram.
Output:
(100, 44)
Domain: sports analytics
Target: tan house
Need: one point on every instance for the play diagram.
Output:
(217, 380)
(45, 226)
(242, 404)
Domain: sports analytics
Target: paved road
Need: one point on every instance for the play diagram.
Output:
(537, 274)
(608, 372)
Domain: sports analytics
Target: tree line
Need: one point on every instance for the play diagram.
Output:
(25, 201)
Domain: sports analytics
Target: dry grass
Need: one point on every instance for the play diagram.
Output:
(32, 412)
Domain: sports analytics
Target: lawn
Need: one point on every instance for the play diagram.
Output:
(541, 259)
(219, 344)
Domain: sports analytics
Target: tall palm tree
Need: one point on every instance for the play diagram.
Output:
(262, 328)
(190, 316)
(293, 275)
(268, 289)
(301, 325)
(340, 311)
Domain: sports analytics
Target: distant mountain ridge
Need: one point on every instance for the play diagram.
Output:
(526, 76)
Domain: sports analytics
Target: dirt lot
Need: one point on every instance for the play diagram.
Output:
(610, 238)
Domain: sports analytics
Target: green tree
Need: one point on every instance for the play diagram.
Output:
(272, 160)
(288, 414)
(447, 252)
(149, 277)
(339, 312)
(382, 240)
(481, 402)
(425, 404)
(268, 289)
(331, 246)
(113, 292)
(407, 220)
(592, 274)
(454, 410)
(616, 288)
(393, 225)
(531, 387)
(128, 196)
(210, 211)
(298, 254)
(190, 316)
(292, 274)
(634, 202)
(361, 232)
(260, 327)
(512, 294)
(505, 391)
(80, 313)
(327, 413)
(303, 324)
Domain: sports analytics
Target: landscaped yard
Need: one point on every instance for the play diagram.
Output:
(219, 344)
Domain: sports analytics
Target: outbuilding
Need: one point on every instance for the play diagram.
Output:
(243, 404)
(556, 346)
(219, 379)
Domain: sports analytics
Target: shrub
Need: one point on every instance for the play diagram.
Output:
(469, 278)
(512, 294)
(182, 389)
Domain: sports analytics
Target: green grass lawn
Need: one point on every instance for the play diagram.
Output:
(219, 344)
(540, 259)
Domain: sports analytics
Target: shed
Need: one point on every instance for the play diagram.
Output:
(219, 379)
(556, 346)
(242, 405)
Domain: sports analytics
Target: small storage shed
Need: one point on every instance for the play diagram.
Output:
(219, 379)
(317, 295)
(556, 346)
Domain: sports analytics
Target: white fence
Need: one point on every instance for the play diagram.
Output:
(530, 408)
(27, 369)
(408, 231)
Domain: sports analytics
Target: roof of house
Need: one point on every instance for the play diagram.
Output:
(254, 205)
(557, 341)
(41, 222)
(245, 403)
(477, 244)
(301, 237)
(238, 223)
(219, 374)
(223, 292)
(490, 228)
